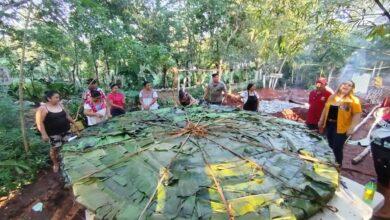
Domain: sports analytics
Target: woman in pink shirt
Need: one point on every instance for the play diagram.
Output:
(117, 101)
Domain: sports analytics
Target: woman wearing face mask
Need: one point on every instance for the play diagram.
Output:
(341, 114)
(53, 123)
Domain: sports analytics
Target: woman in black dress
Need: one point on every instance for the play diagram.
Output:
(53, 123)
(251, 98)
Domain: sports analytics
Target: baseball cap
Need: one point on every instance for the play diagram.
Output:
(322, 80)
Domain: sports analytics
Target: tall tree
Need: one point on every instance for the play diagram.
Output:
(21, 79)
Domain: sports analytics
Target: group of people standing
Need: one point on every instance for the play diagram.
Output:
(337, 113)
(54, 122)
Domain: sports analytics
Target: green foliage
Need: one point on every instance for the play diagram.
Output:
(16, 167)
(34, 89)
(65, 89)
(142, 40)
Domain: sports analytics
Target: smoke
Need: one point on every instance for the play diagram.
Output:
(359, 66)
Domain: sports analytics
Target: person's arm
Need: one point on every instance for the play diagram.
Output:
(108, 112)
(111, 102)
(321, 122)
(155, 97)
(242, 96)
(39, 118)
(206, 93)
(355, 120)
(356, 116)
(224, 94)
(141, 100)
(89, 112)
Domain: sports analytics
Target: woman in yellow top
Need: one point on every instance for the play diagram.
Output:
(341, 114)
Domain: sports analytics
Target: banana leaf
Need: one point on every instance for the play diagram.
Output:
(200, 163)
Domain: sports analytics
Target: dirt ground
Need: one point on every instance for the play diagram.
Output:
(58, 202)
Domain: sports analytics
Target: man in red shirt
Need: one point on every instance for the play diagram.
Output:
(317, 100)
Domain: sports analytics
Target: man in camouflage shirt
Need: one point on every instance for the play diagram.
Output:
(215, 91)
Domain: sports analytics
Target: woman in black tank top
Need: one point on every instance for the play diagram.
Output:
(53, 123)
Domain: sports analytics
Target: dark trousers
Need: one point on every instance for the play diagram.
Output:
(117, 112)
(215, 103)
(312, 126)
(336, 141)
(381, 156)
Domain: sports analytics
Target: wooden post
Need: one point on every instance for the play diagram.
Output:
(21, 81)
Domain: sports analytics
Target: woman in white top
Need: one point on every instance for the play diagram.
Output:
(250, 98)
(96, 109)
(148, 97)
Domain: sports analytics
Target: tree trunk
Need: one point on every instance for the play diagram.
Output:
(330, 74)
(21, 81)
(281, 66)
(107, 66)
(220, 62)
(73, 73)
(96, 70)
(164, 77)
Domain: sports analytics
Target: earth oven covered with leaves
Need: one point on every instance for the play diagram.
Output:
(200, 163)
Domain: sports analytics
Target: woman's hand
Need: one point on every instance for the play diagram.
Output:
(320, 124)
(350, 131)
(99, 115)
(45, 137)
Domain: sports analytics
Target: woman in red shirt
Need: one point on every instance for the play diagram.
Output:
(117, 101)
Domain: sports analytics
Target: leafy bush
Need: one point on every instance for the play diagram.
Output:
(16, 167)
(64, 88)
(132, 98)
(34, 90)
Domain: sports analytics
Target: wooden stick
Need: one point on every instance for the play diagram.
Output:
(218, 185)
(162, 177)
(366, 118)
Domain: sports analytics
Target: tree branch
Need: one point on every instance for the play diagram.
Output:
(385, 12)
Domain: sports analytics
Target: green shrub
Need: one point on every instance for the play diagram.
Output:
(16, 167)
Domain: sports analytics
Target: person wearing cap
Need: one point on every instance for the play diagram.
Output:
(215, 91)
(317, 100)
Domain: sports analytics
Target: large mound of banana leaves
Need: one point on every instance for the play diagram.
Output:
(200, 163)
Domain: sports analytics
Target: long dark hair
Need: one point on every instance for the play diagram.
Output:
(250, 85)
(48, 94)
(184, 99)
(95, 94)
